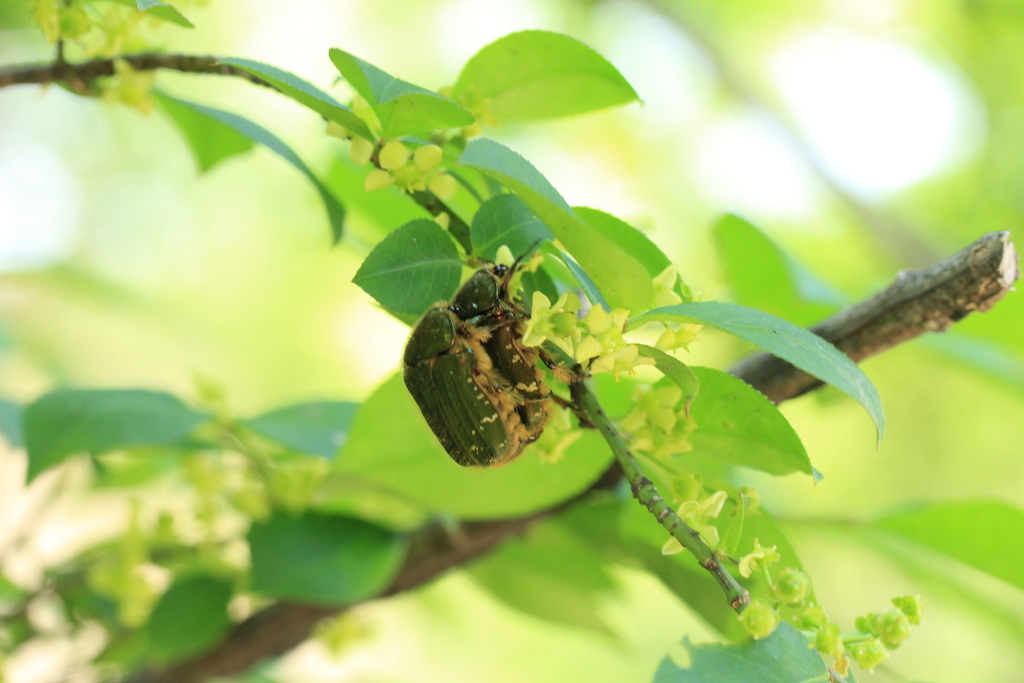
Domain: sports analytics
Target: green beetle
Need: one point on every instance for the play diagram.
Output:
(478, 387)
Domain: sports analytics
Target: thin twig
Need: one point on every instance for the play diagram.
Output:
(41, 74)
(645, 492)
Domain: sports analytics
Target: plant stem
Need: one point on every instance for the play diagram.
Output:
(645, 492)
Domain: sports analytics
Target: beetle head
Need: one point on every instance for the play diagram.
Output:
(433, 335)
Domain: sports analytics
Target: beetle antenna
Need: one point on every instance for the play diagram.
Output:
(519, 261)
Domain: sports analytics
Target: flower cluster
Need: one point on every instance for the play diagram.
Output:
(407, 169)
(876, 633)
(594, 341)
(658, 425)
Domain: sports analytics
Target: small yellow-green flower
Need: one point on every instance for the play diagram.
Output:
(758, 559)
(624, 359)
(678, 338)
(664, 288)
(393, 155)
(336, 130)
(427, 157)
(557, 323)
(360, 150)
(377, 179)
(503, 256)
(658, 425)
(760, 618)
(362, 109)
(868, 654)
(687, 486)
(605, 348)
(47, 14)
(131, 88)
(696, 514)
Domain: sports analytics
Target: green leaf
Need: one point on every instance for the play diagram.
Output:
(585, 283)
(736, 423)
(782, 657)
(537, 74)
(804, 349)
(138, 466)
(551, 575)
(256, 133)
(412, 268)
(626, 236)
(763, 276)
(69, 421)
(318, 428)
(10, 423)
(538, 281)
(505, 220)
(304, 93)
(676, 370)
(622, 279)
(189, 618)
(392, 448)
(210, 140)
(403, 108)
(160, 10)
(981, 534)
(322, 559)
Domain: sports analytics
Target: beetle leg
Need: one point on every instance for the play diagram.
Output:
(563, 373)
(581, 416)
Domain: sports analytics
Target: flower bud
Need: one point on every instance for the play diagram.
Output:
(893, 627)
(828, 641)
(360, 151)
(393, 155)
(912, 606)
(336, 130)
(868, 654)
(759, 618)
(792, 586)
(813, 618)
(377, 179)
(427, 157)
(587, 349)
(74, 22)
(598, 320)
(503, 256)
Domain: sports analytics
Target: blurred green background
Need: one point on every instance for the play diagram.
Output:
(863, 136)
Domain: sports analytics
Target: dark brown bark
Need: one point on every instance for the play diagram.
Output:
(84, 72)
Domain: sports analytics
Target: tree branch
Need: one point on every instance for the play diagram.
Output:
(924, 301)
(928, 300)
(83, 72)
